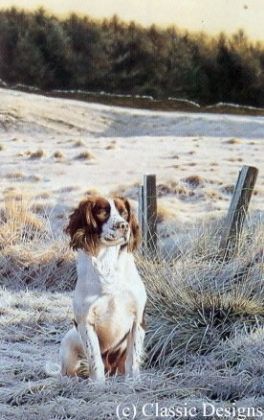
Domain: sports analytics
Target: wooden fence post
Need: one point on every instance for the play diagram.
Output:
(148, 215)
(233, 224)
(141, 214)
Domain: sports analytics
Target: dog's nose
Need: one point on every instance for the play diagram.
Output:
(122, 226)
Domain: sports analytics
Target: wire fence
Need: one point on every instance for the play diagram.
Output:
(232, 227)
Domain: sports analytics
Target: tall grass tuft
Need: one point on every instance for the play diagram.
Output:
(30, 255)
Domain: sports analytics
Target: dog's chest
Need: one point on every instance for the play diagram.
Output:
(119, 279)
(108, 276)
(111, 272)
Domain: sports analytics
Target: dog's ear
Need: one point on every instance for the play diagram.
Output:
(135, 235)
(83, 228)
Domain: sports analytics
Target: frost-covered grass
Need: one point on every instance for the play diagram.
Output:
(205, 334)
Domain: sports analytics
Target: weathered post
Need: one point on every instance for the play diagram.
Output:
(150, 216)
(234, 222)
(141, 214)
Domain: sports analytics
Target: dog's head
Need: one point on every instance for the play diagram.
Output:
(98, 222)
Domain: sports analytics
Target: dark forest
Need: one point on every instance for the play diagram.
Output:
(41, 50)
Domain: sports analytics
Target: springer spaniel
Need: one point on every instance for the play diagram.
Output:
(109, 297)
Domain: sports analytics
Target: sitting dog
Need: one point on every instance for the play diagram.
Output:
(109, 297)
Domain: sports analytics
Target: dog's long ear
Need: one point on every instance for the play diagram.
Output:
(83, 228)
(135, 235)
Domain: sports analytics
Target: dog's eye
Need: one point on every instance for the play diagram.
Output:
(101, 212)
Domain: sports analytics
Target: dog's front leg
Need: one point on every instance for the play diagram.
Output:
(135, 350)
(92, 351)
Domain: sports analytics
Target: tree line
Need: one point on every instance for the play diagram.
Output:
(41, 50)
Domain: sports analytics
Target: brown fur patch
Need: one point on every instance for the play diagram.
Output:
(122, 207)
(125, 210)
(85, 224)
(114, 359)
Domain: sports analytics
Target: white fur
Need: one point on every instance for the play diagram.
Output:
(109, 227)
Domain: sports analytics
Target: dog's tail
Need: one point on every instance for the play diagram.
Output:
(52, 368)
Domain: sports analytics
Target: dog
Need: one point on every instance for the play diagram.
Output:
(109, 297)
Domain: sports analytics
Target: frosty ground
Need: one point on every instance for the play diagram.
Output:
(205, 316)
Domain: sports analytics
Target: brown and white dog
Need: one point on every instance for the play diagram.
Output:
(109, 297)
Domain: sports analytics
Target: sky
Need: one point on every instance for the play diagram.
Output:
(211, 16)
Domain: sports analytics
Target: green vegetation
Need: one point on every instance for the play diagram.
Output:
(40, 50)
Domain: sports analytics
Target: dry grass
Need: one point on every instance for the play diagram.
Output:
(110, 146)
(15, 175)
(204, 323)
(130, 191)
(228, 189)
(58, 155)
(39, 208)
(174, 188)
(211, 194)
(191, 164)
(86, 155)
(34, 178)
(164, 214)
(44, 195)
(30, 254)
(194, 180)
(79, 143)
(17, 222)
(38, 154)
(199, 308)
(233, 141)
